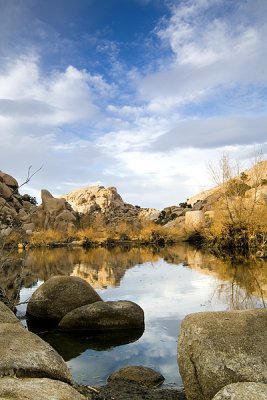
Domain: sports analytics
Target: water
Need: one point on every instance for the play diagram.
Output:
(167, 283)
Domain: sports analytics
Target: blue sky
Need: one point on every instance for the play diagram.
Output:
(136, 94)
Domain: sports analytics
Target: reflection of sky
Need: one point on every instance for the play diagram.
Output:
(166, 292)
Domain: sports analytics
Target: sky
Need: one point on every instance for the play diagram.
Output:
(138, 94)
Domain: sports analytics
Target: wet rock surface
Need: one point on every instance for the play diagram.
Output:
(59, 295)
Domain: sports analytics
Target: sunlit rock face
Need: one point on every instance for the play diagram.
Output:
(54, 213)
(98, 200)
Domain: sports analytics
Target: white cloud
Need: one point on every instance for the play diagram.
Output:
(149, 133)
(209, 54)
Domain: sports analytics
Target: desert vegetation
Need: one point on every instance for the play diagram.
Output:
(238, 221)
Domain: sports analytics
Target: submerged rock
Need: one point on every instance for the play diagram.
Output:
(136, 373)
(59, 295)
(243, 391)
(34, 388)
(220, 348)
(104, 315)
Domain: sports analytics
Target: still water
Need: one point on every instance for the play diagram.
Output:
(167, 283)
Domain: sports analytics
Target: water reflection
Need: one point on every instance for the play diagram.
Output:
(238, 282)
(71, 345)
(167, 283)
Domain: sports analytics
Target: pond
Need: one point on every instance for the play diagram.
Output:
(168, 283)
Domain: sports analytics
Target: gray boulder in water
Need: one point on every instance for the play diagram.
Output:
(58, 296)
(103, 316)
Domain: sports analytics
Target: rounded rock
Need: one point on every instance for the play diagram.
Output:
(59, 295)
(101, 315)
(136, 373)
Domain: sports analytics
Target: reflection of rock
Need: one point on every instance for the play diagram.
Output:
(10, 277)
(219, 348)
(33, 388)
(243, 391)
(103, 316)
(136, 373)
(71, 345)
(58, 296)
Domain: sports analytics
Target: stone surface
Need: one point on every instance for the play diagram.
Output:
(104, 315)
(6, 315)
(34, 388)
(194, 220)
(220, 348)
(8, 180)
(136, 373)
(24, 354)
(59, 295)
(243, 391)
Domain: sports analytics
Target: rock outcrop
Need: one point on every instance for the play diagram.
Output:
(220, 348)
(95, 201)
(58, 296)
(15, 209)
(104, 316)
(54, 213)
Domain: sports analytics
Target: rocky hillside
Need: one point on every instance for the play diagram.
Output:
(98, 201)
(254, 177)
(21, 211)
(105, 206)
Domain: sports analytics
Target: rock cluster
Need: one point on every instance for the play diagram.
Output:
(97, 201)
(15, 209)
(217, 349)
(74, 305)
(21, 211)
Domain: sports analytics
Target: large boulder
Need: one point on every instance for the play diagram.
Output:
(36, 388)
(243, 391)
(220, 348)
(24, 354)
(104, 315)
(59, 295)
(136, 373)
